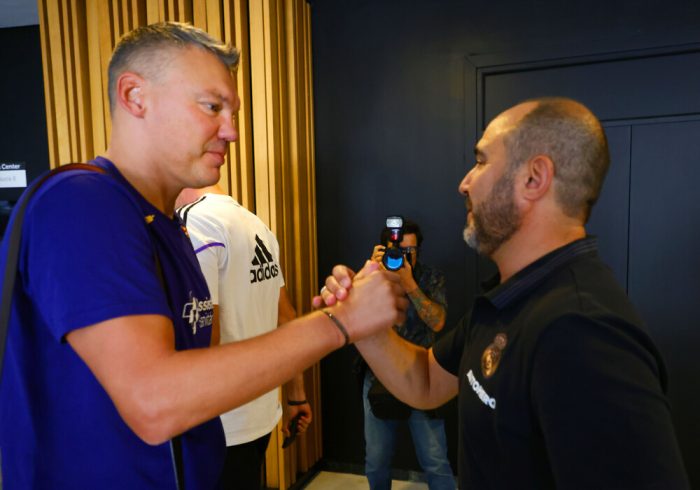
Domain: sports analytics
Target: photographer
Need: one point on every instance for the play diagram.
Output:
(425, 287)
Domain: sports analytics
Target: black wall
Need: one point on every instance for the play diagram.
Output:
(402, 91)
(23, 114)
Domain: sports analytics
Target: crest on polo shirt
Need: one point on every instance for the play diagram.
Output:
(492, 355)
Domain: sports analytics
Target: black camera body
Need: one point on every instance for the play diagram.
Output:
(393, 256)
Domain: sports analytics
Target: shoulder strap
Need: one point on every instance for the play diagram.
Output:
(14, 236)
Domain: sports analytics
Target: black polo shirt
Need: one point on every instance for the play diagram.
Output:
(560, 385)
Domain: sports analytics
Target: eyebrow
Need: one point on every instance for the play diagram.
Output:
(217, 95)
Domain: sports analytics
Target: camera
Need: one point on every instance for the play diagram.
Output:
(393, 256)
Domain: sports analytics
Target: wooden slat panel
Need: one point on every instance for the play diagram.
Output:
(245, 185)
(48, 84)
(162, 10)
(199, 14)
(97, 80)
(139, 14)
(106, 42)
(258, 100)
(125, 13)
(69, 57)
(228, 171)
(171, 10)
(115, 20)
(59, 83)
(153, 11)
(185, 9)
(82, 82)
(214, 18)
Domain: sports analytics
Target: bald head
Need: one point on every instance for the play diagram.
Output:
(571, 136)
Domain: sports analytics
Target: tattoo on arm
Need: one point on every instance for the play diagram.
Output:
(432, 313)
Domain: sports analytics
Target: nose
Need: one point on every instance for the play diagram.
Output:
(464, 185)
(227, 129)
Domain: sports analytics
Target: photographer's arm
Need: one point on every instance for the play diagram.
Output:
(432, 313)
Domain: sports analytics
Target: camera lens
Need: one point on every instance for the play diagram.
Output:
(393, 259)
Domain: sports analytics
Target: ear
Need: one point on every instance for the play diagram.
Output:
(538, 177)
(130, 96)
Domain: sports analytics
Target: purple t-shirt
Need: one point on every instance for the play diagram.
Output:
(87, 255)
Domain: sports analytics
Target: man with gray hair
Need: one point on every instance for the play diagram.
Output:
(107, 382)
(559, 382)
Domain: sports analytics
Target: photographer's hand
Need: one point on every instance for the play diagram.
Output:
(378, 253)
(406, 274)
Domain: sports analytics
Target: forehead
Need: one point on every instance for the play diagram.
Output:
(409, 240)
(194, 68)
(503, 124)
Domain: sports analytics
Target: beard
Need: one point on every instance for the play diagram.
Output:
(495, 220)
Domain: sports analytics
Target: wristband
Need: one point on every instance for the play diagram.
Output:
(340, 326)
(295, 403)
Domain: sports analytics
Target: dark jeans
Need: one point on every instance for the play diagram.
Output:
(429, 440)
(243, 465)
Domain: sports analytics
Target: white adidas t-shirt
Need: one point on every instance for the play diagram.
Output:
(239, 256)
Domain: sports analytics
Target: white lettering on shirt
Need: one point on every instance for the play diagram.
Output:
(198, 313)
(480, 391)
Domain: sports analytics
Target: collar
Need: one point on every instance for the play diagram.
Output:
(502, 295)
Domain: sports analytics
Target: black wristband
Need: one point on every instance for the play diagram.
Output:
(297, 402)
(340, 326)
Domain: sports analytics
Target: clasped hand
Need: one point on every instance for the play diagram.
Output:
(371, 300)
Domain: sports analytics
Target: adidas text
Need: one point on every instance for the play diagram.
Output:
(264, 272)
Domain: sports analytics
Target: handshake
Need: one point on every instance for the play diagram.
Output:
(367, 302)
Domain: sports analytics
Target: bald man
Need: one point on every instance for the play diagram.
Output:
(559, 383)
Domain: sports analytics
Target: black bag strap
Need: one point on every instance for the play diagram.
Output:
(14, 240)
(14, 237)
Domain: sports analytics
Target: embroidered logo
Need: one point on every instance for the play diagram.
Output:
(492, 355)
(263, 263)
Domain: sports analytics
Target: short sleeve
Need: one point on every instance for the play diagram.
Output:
(209, 245)
(604, 417)
(449, 348)
(87, 255)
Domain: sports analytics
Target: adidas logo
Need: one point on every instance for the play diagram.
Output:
(263, 263)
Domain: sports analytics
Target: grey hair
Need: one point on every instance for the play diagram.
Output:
(145, 50)
(568, 133)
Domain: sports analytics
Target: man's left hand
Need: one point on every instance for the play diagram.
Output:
(406, 274)
(304, 420)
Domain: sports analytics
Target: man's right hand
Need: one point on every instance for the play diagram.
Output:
(378, 253)
(366, 302)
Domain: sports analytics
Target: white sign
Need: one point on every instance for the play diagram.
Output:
(13, 174)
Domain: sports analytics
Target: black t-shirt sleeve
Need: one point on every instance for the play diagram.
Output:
(449, 348)
(604, 417)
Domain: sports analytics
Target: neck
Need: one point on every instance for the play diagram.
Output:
(527, 246)
(145, 179)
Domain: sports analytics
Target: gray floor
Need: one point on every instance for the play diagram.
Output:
(327, 480)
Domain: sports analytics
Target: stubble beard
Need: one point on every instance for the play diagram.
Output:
(496, 219)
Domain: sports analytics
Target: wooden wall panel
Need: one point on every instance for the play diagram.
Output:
(275, 124)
